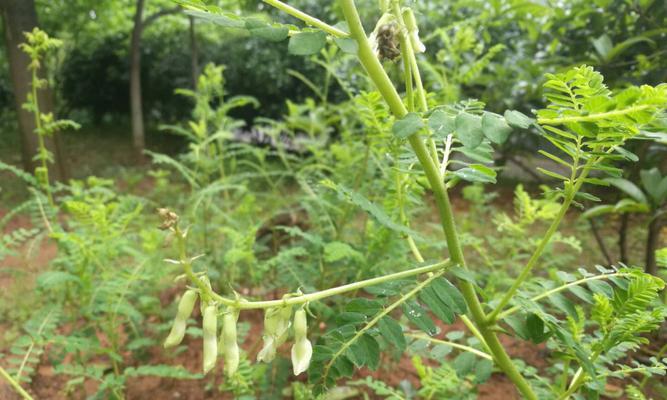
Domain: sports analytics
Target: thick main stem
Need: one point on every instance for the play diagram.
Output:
(388, 91)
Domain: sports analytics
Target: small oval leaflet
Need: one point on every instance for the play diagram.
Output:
(408, 125)
(306, 43)
(469, 129)
(495, 128)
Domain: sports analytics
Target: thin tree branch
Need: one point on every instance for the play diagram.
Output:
(600, 240)
(164, 12)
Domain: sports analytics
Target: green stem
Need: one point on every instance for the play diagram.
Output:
(548, 293)
(564, 375)
(384, 85)
(310, 20)
(576, 383)
(322, 294)
(407, 69)
(658, 356)
(473, 329)
(410, 62)
(208, 293)
(378, 317)
(592, 117)
(15, 384)
(40, 137)
(453, 344)
(527, 269)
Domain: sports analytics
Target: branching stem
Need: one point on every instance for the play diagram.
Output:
(15, 384)
(555, 290)
(208, 293)
(308, 19)
(593, 117)
(469, 349)
(553, 228)
(378, 317)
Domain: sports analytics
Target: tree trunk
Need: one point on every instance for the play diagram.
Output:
(138, 135)
(623, 238)
(20, 16)
(652, 242)
(600, 241)
(194, 53)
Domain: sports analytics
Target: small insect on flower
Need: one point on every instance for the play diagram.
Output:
(387, 42)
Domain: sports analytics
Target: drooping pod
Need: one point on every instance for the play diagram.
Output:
(210, 330)
(185, 307)
(276, 329)
(228, 340)
(302, 350)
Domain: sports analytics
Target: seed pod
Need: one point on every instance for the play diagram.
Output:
(210, 330)
(185, 307)
(302, 350)
(276, 328)
(231, 348)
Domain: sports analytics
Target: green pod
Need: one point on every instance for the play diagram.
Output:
(210, 330)
(185, 307)
(231, 350)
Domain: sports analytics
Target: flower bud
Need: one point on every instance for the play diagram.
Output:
(302, 350)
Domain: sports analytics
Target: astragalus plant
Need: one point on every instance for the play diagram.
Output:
(587, 126)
